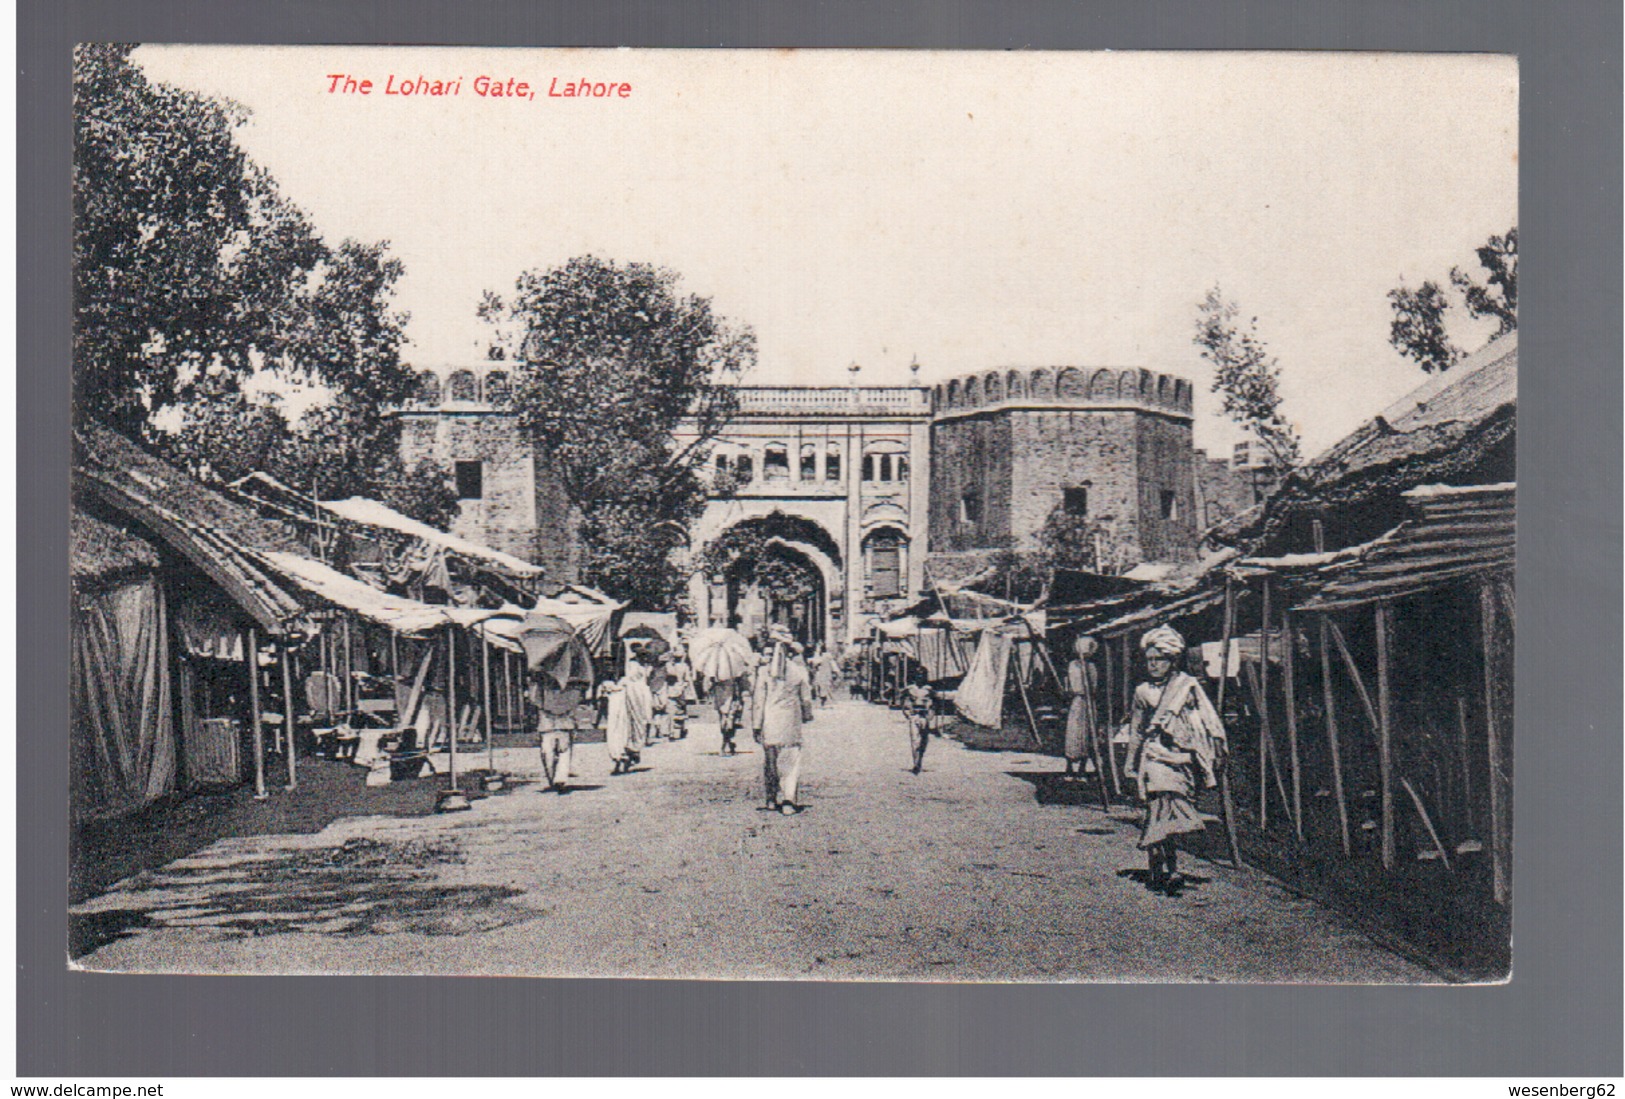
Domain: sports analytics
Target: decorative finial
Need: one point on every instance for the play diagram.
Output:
(853, 370)
(914, 367)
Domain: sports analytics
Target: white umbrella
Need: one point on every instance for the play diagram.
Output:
(720, 653)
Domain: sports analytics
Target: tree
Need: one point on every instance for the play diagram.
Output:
(1418, 330)
(194, 277)
(609, 359)
(1246, 376)
(1068, 541)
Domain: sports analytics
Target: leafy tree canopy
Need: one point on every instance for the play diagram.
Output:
(1421, 315)
(609, 359)
(194, 278)
(1246, 376)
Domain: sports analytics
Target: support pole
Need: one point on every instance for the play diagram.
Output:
(1385, 752)
(1354, 674)
(1264, 730)
(1427, 821)
(451, 700)
(1111, 722)
(1331, 734)
(395, 673)
(1224, 678)
(1288, 677)
(1500, 861)
(253, 655)
(287, 715)
(1466, 763)
(485, 699)
(349, 669)
(514, 725)
(1032, 722)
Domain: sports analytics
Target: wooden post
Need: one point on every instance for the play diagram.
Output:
(1331, 733)
(287, 715)
(507, 692)
(1354, 674)
(1111, 720)
(485, 696)
(1288, 676)
(253, 655)
(1021, 685)
(451, 700)
(1270, 751)
(1500, 860)
(395, 674)
(1224, 678)
(1264, 712)
(1427, 821)
(1385, 750)
(1466, 763)
(349, 668)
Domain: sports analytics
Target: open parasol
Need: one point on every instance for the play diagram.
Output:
(552, 647)
(720, 653)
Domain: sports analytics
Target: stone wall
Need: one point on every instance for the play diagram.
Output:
(971, 456)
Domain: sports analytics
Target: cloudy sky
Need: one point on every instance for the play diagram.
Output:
(969, 210)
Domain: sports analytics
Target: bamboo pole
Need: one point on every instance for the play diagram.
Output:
(1499, 860)
(1288, 675)
(507, 692)
(1331, 734)
(1263, 700)
(1021, 685)
(254, 712)
(485, 697)
(1466, 763)
(1354, 674)
(287, 715)
(349, 668)
(451, 700)
(1427, 821)
(1224, 678)
(1274, 755)
(395, 673)
(1111, 723)
(1385, 751)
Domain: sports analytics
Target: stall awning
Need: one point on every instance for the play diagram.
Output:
(361, 510)
(407, 616)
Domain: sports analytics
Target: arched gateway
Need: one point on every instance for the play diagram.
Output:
(829, 487)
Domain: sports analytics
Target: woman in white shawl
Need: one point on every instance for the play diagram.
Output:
(626, 722)
(1178, 741)
(780, 704)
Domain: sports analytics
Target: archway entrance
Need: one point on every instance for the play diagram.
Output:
(781, 587)
(774, 570)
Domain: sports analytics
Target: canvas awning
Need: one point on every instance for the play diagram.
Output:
(406, 616)
(358, 509)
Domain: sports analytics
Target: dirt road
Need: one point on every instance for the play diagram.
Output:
(972, 870)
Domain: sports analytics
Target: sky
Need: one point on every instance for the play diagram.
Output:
(962, 210)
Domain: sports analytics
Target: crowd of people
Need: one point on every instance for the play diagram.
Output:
(1177, 741)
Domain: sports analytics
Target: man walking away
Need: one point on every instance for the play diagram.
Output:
(780, 704)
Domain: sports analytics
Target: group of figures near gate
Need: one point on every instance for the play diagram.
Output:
(774, 695)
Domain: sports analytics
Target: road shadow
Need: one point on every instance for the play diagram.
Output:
(1054, 788)
(1188, 882)
(363, 887)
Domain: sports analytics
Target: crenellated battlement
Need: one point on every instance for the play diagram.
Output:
(1070, 387)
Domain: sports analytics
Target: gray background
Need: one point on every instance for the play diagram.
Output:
(1561, 1015)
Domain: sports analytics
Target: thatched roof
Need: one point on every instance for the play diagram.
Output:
(99, 552)
(1458, 429)
(224, 539)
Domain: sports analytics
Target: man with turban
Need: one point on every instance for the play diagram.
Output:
(1178, 740)
(780, 704)
(1083, 684)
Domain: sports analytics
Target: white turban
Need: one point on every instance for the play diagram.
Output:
(1164, 641)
